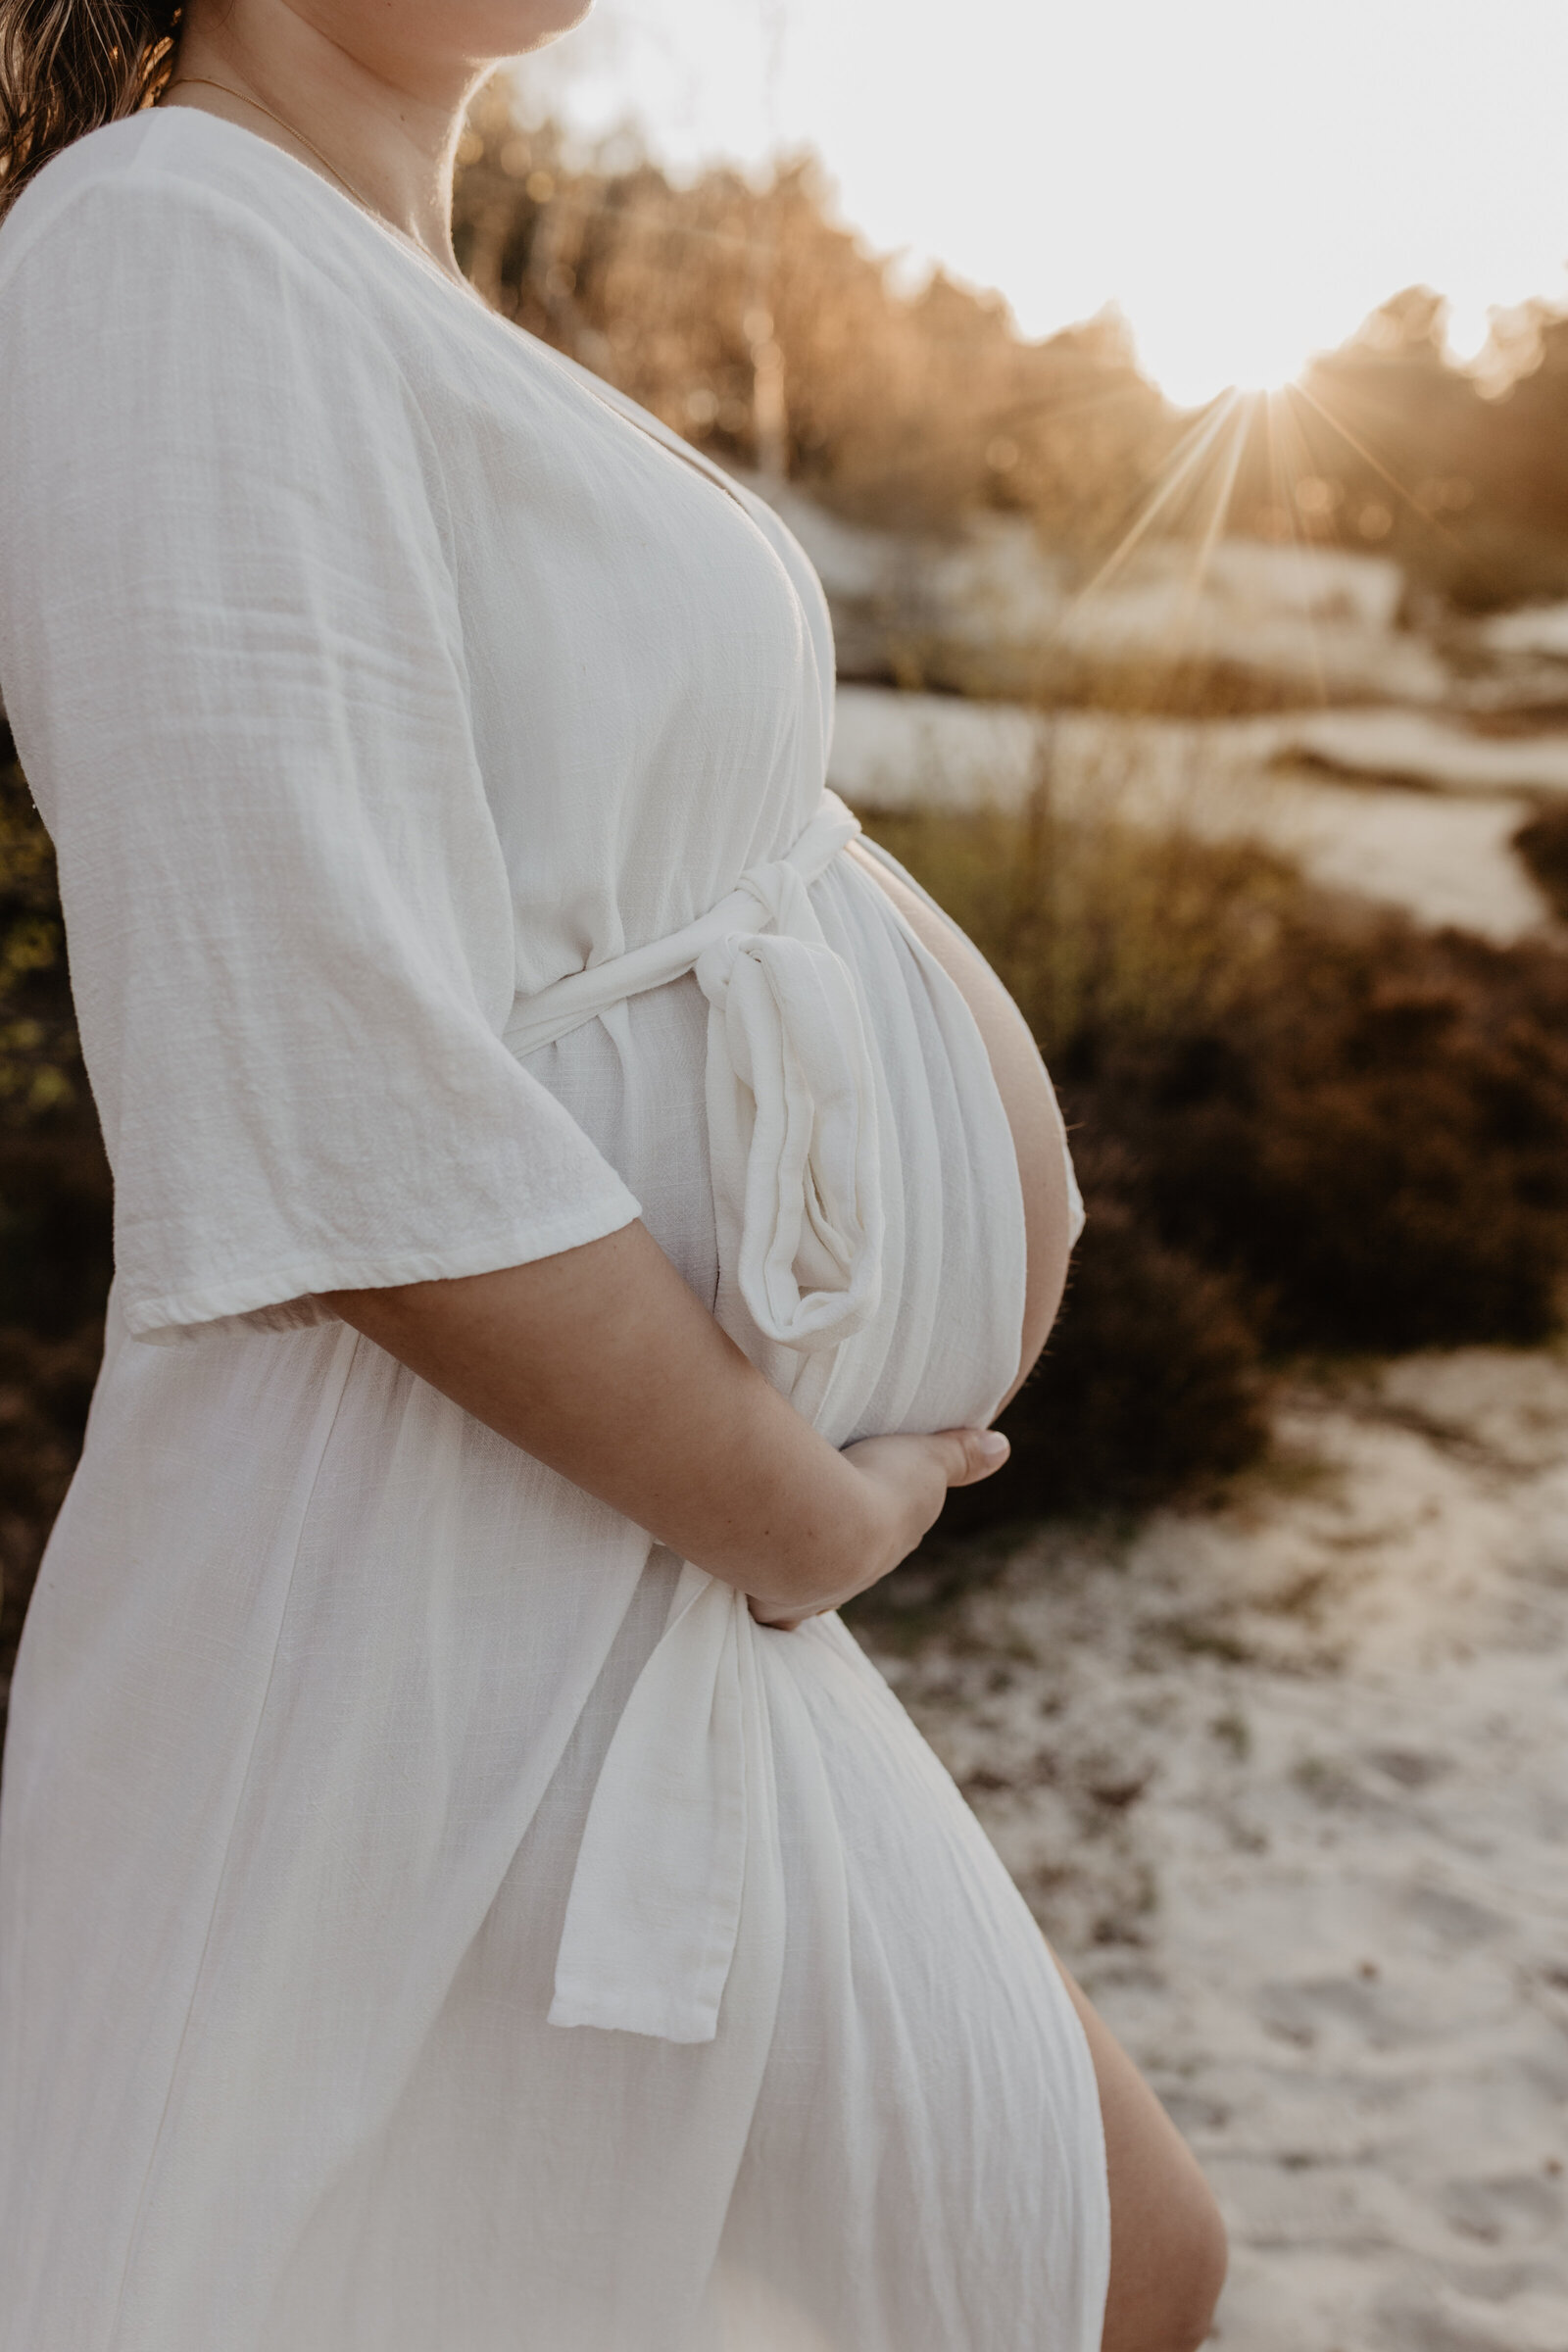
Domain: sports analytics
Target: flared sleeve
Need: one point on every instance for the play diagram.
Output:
(232, 655)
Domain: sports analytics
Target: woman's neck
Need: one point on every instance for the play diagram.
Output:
(307, 75)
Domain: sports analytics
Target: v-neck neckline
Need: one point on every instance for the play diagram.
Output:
(606, 396)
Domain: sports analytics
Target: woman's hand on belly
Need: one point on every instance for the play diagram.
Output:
(1027, 1098)
(907, 1481)
(602, 1363)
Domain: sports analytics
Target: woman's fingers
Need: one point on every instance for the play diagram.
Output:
(912, 1475)
(958, 1457)
(980, 1453)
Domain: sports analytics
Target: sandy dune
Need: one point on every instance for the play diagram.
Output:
(1288, 1786)
(988, 610)
(1440, 853)
(1418, 749)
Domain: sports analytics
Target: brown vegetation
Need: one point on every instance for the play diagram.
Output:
(1300, 1128)
(1542, 844)
(700, 301)
(753, 325)
(55, 1252)
(1462, 477)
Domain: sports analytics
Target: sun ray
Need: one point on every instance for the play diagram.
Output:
(1203, 554)
(1179, 470)
(1292, 465)
(1411, 498)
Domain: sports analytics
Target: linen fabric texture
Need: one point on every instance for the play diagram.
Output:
(379, 674)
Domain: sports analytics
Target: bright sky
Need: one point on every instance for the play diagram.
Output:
(1246, 178)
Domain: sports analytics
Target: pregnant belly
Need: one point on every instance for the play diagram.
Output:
(1027, 1098)
(971, 1166)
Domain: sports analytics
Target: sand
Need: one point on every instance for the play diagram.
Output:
(1439, 849)
(1287, 1786)
(988, 610)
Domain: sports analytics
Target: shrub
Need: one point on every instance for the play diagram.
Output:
(55, 1246)
(1375, 1144)
(1298, 1127)
(1542, 844)
(1152, 1388)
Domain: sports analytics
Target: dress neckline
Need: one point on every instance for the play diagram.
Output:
(604, 395)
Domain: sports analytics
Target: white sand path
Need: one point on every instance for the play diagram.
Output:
(1288, 1787)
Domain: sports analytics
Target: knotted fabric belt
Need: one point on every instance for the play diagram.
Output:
(685, 1788)
(791, 1098)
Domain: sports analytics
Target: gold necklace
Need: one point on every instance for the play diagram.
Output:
(200, 82)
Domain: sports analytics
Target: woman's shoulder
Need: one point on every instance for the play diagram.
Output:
(179, 269)
(169, 195)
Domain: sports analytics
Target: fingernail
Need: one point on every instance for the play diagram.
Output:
(993, 1446)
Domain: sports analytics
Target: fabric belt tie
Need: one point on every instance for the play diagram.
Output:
(654, 1906)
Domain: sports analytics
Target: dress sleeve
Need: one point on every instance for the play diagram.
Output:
(231, 657)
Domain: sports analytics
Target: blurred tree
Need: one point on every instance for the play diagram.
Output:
(756, 325)
(736, 311)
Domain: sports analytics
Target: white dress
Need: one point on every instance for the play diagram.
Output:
(434, 1920)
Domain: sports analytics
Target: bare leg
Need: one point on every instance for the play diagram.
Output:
(1167, 2241)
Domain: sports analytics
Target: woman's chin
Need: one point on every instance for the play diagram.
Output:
(514, 28)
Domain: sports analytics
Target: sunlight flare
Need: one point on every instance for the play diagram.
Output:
(1200, 349)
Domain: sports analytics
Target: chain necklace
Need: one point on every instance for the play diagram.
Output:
(200, 82)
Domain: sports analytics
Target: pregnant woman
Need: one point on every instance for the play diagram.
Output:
(463, 1890)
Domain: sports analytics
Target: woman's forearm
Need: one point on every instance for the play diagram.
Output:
(600, 1362)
